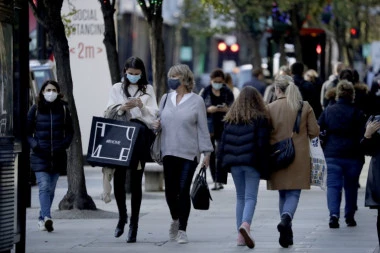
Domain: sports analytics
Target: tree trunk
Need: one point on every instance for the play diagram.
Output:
(110, 41)
(76, 196)
(158, 54)
(296, 28)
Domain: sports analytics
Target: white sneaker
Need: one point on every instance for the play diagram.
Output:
(48, 224)
(41, 225)
(182, 237)
(173, 230)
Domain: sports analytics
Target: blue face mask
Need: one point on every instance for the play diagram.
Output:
(173, 83)
(133, 78)
(217, 86)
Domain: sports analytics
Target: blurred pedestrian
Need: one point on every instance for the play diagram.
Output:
(370, 145)
(184, 136)
(343, 124)
(243, 152)
(49, 132)
(217, 98)
(257, 80)
(231, 86)
(134, 96)
(269, 94)
(332, 82)
(290, 181)
(308, 91)
(330, 95)
(362, 99)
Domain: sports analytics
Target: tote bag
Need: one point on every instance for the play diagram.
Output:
(200, 193)
(318, 164)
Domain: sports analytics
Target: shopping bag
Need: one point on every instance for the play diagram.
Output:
(318, 164)
(111, 142)
(200, 193)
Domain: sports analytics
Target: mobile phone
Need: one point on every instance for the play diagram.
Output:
(219, 106)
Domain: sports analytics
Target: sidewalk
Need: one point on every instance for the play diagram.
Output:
(208, 231)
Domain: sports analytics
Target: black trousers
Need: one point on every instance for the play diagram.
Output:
(139, 155)
(179, 174)
(213, 162)
(136, 191)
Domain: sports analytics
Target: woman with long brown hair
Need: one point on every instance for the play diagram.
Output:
(243, 152)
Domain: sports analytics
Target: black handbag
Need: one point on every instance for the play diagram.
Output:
(282, 153)
(200, 193)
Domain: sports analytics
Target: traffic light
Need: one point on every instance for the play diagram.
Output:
(318, 49)
(222, 46)
(354, 32)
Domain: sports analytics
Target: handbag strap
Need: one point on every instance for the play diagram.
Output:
(163, 106)
(296, 127)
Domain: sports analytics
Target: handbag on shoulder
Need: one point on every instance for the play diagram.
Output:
(282, 153)
(155, 149)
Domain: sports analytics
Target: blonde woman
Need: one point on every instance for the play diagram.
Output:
(184, 137)
(243, 152)
(291, 180)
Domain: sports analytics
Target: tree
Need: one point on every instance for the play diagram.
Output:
(76, 196)
(152, 11)
(108, 10)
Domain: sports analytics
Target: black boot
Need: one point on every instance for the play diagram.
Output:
(132, 234)
(285, 229)
(120, 225)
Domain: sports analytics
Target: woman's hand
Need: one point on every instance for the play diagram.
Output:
(212, 109)
(206, 161)
(132, 103)
(156, 124)
(371, 128)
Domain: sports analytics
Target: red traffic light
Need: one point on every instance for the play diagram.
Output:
(318, 49)
(234, 48)
(222, 46)
(353, 31)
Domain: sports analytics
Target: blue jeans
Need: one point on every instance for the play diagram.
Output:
(343, 173)
(246, 180)
(46, 186)
(288, 201)
(178, 173)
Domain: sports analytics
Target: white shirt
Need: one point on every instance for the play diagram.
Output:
(148, 113)
(185, 97)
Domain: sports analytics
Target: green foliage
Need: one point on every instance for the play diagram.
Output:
(66, 19)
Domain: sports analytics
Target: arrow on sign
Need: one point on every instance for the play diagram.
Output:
(99, 50)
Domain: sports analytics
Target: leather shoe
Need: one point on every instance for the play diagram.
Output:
(132, 234)
(119, 228)
(334, 222)
(351, 222)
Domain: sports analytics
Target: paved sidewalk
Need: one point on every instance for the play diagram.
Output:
(208, 231)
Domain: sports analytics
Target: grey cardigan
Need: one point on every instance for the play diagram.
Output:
(184, 128)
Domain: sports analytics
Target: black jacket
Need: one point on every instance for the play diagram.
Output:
(309, 93)
(344, 125)
(372, 193)
(214, 120)
(244, 144)
(49, 132)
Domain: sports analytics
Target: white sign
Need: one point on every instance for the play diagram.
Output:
(88, 60)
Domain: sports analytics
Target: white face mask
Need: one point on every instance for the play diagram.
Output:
(50, 96)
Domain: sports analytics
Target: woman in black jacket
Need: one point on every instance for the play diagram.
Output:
(49, 132)
(343, 124)
(370, 145)
(243, 151)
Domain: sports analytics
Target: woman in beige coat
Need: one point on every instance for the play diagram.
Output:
(291, 180)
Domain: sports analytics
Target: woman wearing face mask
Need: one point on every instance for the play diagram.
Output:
(49, 133)
(218, 98)
(136, 97)
(184, 137)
